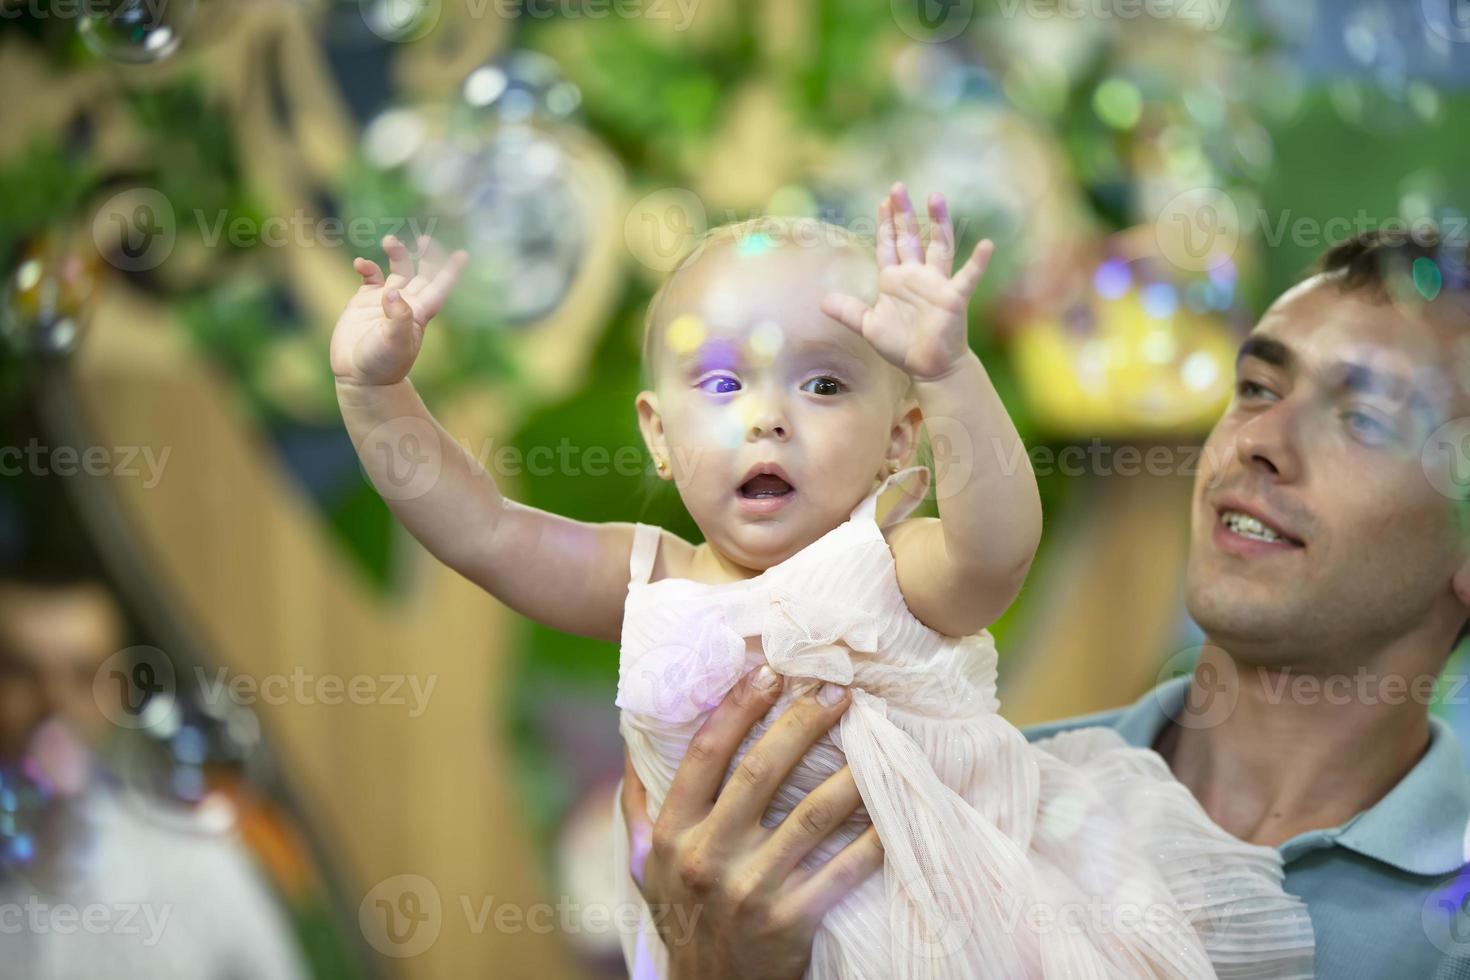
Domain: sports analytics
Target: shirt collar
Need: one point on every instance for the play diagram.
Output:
(1420, 826)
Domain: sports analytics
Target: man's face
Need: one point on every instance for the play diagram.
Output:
(1337, 394)
(52, 642)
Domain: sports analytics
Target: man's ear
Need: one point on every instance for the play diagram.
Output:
(651, 424)
(903, 439)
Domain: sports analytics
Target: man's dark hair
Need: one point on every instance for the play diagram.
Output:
(1384, 260)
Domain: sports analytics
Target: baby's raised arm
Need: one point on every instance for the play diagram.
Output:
(570, 575)
(959, 572)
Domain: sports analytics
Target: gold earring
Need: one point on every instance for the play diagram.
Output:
(662, 465)
(892, 466)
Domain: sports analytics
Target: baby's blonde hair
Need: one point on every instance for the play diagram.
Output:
(778, 232)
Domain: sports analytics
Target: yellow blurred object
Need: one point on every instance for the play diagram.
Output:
(1132, 354)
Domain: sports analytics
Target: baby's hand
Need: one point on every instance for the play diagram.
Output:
(378, 336)
(918, 322)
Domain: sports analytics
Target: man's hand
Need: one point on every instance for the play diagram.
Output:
(753, 911)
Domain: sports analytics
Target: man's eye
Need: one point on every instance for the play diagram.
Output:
(1246, 388)
(719, 384)
(1368, 427)
(824, 386)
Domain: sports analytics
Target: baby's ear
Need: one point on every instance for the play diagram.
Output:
(904, 436)
(650, 422)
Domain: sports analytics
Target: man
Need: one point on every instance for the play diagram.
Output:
(1330, 572)
(106, 891)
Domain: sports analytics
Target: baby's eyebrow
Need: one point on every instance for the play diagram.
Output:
(831, 347)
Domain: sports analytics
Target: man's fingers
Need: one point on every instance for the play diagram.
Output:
(830, 883)
(770, 760)
(704, 765)
(814, 819)
(634, 800)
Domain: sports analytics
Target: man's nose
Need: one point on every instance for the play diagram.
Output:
(1268, 443)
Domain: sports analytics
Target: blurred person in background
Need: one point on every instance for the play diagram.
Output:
(100, 889)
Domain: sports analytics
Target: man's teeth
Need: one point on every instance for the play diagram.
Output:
(1248, 527)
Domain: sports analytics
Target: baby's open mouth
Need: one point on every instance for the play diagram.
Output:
(765, 485)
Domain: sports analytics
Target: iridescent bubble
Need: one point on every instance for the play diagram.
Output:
(47, 297)
(1160, 300)
(1112, 279)
(518, 87)
(1427, 278)
(501, 185)
(135, 32)
(685, 334)
(1118, 103)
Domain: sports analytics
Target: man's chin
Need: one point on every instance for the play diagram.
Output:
(1250, 627)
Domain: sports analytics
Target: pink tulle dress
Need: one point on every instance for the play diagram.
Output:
(1074, 857)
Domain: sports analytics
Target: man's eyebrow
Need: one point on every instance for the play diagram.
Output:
(1363, 380)
(1273, 352)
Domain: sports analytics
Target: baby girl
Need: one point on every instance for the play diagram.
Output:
(789, 375)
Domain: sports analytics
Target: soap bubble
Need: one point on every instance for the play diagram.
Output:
(135, 32)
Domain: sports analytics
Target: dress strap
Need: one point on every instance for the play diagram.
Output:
(645, 549)
(914, 492)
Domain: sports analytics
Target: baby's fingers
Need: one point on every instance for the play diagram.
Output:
(973, 270)
(909, 248)
(887, 235)
(397, 310)
(846, 310)
(941, 235)
(431, 258)
(400, 263)
(372, 274)
(432, 296)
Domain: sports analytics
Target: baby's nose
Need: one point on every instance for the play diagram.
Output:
(769, 421)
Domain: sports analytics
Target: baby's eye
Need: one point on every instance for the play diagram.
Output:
(722, 384)
(825, 386)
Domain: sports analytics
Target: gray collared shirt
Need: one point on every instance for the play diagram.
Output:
(1388, 890)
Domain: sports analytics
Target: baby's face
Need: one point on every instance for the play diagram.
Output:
(751, 373)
